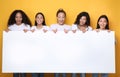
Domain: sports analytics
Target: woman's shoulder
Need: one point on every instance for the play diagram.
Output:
(67, 25)
(89, 27)
(53, 24)
(45, 26)
(27, 25)
(33, 26)
(74, 24)
(12, 25)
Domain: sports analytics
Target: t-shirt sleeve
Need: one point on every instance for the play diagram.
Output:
(32, 28)
(74, 27)
(53, 27)
(10, 28)
(27, 27)
(68, 27)
(46, 28)
(89, 28)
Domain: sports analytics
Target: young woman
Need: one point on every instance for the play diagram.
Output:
(60, 26)
(18, 21)
(40, 25)
(102, 25)
(82, 23)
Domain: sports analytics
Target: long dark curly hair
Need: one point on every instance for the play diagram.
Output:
(25, 18)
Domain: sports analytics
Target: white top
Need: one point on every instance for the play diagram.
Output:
(21, 27)
(75, 27)
(60, 27)
(43, 28)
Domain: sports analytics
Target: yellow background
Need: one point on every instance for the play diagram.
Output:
(72, 7)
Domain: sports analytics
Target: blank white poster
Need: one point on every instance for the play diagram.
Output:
(90, 52)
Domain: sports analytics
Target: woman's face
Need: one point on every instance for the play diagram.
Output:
(82, 21)
(102, 23)
(61, 18)
(18, 18)
(39, 19)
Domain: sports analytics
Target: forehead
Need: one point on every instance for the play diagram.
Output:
(18, 13)
(104, 19)
(83, 17)
(61, 13)
(39, 15)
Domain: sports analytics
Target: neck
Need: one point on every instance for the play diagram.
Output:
(82, 27)
(18, 24)
(102, 29)
(61, 24)
(39, 26)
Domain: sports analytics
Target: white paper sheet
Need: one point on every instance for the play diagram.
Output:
(89, 52)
